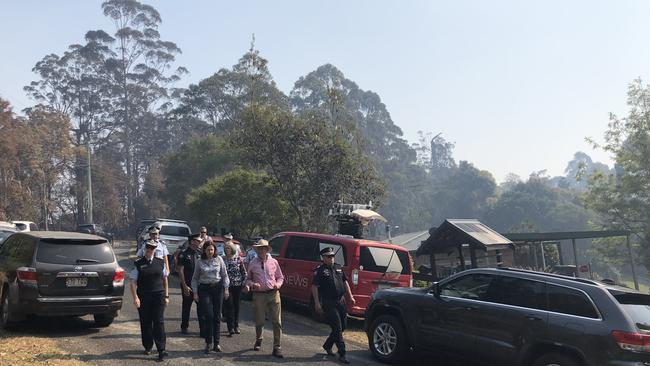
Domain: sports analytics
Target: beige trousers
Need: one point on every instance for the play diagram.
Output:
(264, 302)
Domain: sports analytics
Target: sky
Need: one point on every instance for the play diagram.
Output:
(516, 85)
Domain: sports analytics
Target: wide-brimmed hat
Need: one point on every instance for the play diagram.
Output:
(262, 243)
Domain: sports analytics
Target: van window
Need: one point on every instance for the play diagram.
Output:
(384, 260)
(276, 245)
(302, 248)
(339, 252)
(568, 301)
(174, 230)
(33, 227)
(518, 292)
(74, 252)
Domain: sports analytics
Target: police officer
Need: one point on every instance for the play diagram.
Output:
(150, 293)
(161, 249)
(329, 286)
(185, 268)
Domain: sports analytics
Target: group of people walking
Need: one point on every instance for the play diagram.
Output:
(215, 283)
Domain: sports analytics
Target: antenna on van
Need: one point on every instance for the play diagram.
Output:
(353, 218)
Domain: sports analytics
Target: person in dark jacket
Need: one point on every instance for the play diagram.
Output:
(237, 275)
(210, 285)
(185, 266)
(329, 287)
(150, 292)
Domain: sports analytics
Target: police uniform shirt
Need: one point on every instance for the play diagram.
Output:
(160, 252)
(149, 274)
(187, 258)
(330, 281)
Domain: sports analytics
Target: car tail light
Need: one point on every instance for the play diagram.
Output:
(636, 342)
(411, 282)
(118, 277)
(27, 275)
(355, 277)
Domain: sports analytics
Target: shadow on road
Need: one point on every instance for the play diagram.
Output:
(56, 327)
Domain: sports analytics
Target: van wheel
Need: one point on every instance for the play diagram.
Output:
(6, 316)
(103, 320)
(555, 359)
(387, 339)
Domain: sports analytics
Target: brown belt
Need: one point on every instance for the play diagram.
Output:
(265, 292)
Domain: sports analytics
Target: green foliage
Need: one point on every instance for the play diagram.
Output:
(192, 165)
(243, 200)
(623, 198)
(311, 163)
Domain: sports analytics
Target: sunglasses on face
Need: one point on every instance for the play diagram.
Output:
(204, 232)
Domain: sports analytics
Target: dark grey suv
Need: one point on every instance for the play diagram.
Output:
(53, 273)
(513, 317)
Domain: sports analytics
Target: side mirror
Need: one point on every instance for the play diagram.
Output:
(435, 289)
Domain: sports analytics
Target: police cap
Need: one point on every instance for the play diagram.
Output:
(327, 252)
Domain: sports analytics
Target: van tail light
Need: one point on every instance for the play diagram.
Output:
(411, 282)
(636, 342)
(118, 277)
(27, 275)
(355, 277)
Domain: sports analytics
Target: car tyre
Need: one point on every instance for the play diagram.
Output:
(103, 320)
(6, 316)
(387, 339)
(555, 359)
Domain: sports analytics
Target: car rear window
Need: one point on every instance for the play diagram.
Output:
(384, 260)
(175, 230)
(637, 306)
(570, 301)
(21, 226)
(74, 252)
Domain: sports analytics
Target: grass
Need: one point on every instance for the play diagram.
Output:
(18, 350)
(642, 287)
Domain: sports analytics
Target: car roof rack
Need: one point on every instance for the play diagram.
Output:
(554, 275)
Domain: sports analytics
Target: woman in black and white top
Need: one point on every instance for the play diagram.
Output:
(210, 285)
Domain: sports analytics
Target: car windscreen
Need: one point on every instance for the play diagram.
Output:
(175, 230)
(637, 306)
(60, 251)
(384, 260)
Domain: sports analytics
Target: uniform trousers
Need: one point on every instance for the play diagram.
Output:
(152, 325)
(185, 315)
(211, 300)
(337, 318)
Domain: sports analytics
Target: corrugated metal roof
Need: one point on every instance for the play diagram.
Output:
(480, 232)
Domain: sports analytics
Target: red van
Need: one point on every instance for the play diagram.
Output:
(369, 265)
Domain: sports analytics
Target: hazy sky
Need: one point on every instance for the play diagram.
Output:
(516, 85)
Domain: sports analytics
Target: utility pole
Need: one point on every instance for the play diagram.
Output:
(90, 189)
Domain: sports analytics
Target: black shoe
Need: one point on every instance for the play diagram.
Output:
(147, 352)
(162, 355)
(277, 353)
(230, 332)
(184, 331)
(343, 360)
(217, 348)
(329, 351)
(258, 345)
(207, 348)
(237, 330)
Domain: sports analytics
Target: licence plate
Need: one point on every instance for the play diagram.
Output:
(76, 282)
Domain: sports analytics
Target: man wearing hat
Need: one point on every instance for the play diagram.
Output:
(161, 249)
(264, 278)
(150, 291)
(329, 286)
(187, 259)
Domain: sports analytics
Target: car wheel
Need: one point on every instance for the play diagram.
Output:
(6, 317)
(555, 359)
(103, 320)
(387, 339)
